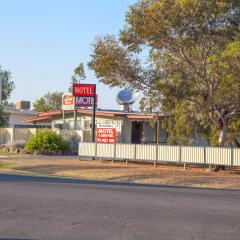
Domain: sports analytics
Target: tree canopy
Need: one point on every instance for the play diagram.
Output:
(3, 117)
(49, 102)
(185, 55)
(79, 74)
(7, 87)
(7, 84)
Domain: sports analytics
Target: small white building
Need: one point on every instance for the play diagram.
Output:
(18, 114)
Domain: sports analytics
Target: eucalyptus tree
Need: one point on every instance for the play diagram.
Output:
(49, 102)
(7, 86)
(79, 75)
(192, 50)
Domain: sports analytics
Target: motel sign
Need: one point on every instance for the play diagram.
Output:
(85, 101)
(83, 90)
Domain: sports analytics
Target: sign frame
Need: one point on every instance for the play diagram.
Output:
(68, 107)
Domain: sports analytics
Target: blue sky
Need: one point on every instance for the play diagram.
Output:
(42, 41)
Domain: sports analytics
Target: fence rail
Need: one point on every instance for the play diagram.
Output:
(162, 153)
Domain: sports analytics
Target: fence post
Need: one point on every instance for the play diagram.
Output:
(204, 155)
(115, 151)
(232, 156)
(135, 152)
(95, 150)
(209, 167)
(180, 154)
(205, 159)
(156, 161)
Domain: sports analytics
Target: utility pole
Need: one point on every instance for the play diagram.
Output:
(94, 114)
(1, 87)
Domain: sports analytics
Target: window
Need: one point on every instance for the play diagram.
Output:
(87, 125)
(58, 125)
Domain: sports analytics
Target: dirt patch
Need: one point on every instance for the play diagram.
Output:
(193, 176)
(3, 165)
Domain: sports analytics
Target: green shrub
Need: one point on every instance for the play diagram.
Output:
(47, 141)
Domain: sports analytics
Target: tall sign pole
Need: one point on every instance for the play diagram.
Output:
(94, 115)
(86, 91)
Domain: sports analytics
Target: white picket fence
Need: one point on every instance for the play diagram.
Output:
(162, 153)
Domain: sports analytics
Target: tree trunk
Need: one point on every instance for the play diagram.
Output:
(236, 143)
(221, 143)
(222, 135)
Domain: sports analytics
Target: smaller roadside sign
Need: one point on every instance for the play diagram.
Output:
(106, 133)
(83, 90)
(67, 102)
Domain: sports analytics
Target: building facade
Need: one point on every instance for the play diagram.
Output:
(18, 113)
(131, 127)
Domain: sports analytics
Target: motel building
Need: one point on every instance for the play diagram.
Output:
(131, 127)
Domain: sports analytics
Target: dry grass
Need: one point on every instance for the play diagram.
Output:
(133, 173)
(12, 154)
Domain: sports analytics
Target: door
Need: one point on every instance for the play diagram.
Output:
(136, 132)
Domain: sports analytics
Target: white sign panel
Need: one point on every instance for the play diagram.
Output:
(103, 125)
(67, 102)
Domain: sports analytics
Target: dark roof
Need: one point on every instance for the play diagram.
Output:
(18, 111)
(47, 116)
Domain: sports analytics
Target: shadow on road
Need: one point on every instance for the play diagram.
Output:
(45, 179)
(16, 239)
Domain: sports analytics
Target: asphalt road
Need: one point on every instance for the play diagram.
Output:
(47, 208)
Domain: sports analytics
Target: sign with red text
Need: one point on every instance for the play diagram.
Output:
(67, 102)
(106, 133)
(83, 90)
(85, 101)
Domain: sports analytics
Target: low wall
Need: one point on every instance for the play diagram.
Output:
(16, 134)
(73, 136)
